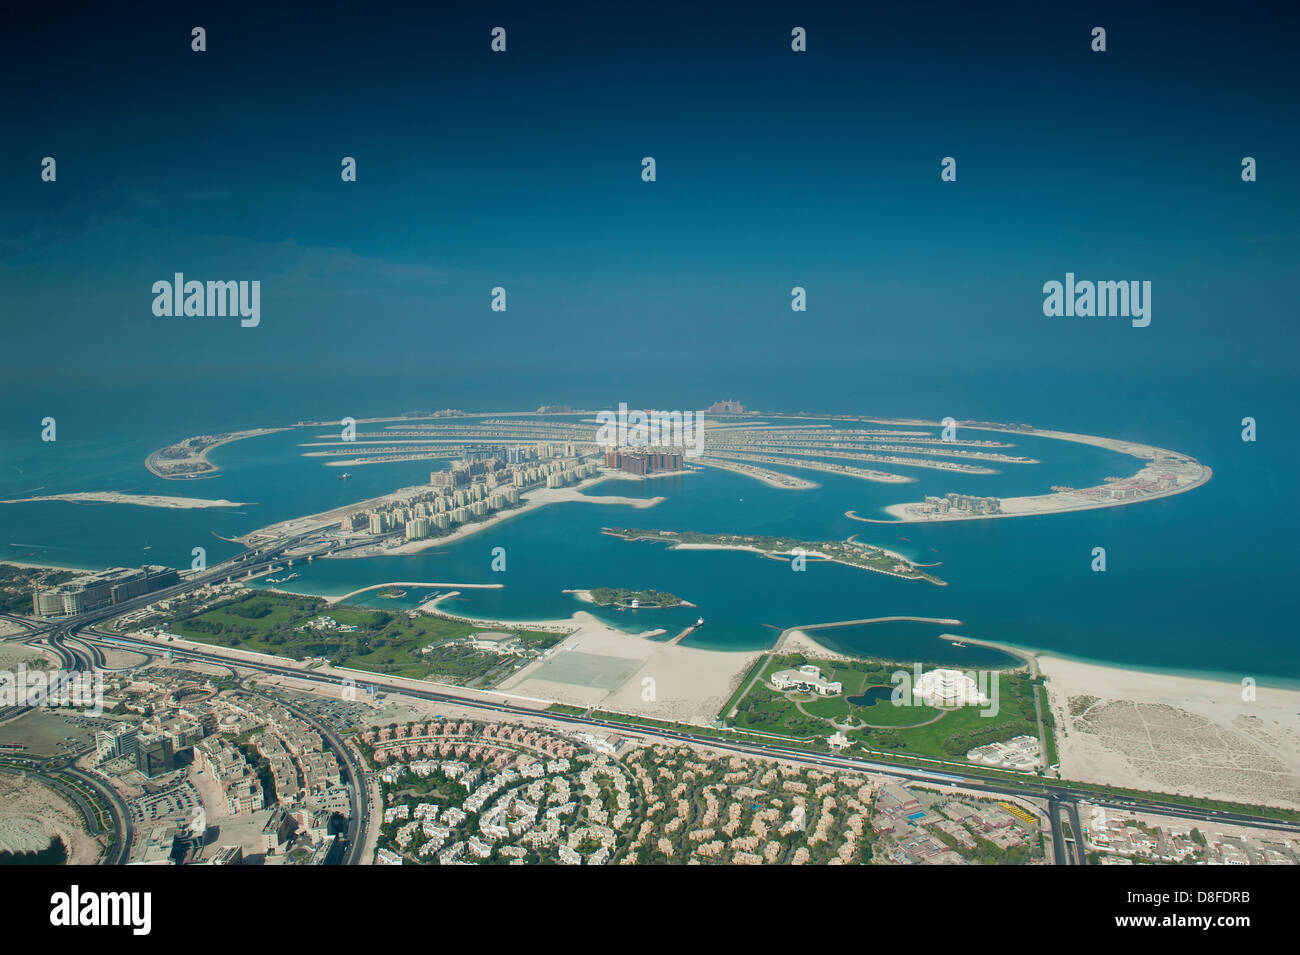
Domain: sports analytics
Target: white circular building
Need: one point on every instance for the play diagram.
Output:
(948, 688)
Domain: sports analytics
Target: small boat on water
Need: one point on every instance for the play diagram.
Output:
(345, 476)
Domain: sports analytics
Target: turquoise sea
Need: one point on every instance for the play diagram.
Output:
(1201, 582)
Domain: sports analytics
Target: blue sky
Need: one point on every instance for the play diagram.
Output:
(775, 169)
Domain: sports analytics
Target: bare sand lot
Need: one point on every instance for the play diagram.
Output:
(9, 628)
(1175, 734)
(600, 666)
(12, 654)
(123, 659)
(32, 814)
(44, 730)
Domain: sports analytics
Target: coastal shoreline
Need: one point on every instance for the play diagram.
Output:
(535, 499)
(1194, 696)
(1037, 655)
(572, 624)
(800, 637)
(430, 607)
(1136, 728)
(33, 565)
(532, 500)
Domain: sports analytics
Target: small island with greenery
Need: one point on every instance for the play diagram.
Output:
(852, 552)
(635, 599)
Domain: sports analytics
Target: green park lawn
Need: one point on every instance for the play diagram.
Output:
(388, 642)
(911, 730)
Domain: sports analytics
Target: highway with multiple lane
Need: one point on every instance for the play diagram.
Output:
(79, 646)
(1058, 792)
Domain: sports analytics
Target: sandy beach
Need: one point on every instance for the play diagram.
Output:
(798, 641)
(571, 624)
(599, 666)
(683, 545)
(144, 500)
(33, 565)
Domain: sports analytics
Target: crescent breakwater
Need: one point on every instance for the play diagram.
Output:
(188, 460)
(1166, 474)
(142, 500)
